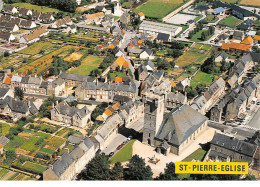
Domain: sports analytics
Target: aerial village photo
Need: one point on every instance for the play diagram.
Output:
(128, 90)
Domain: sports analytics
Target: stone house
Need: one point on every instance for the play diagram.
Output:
(4, 92)
(72, 116)
(69, 164)
(23, 12)
(147, 54)
(224, 148)
(72, 80)
(31, 85)
(55, 87)
(9, 9)
(105, 91)
(108, 131)
(175, 100)
(16, 81)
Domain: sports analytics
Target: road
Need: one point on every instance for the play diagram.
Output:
(255, 120)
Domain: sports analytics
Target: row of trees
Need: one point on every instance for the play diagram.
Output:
(205, 34)
(99, 169)
(198, 27)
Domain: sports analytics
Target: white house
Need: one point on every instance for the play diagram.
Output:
(118, 10)
(147, 54)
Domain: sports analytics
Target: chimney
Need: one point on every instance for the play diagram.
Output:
(67, 150)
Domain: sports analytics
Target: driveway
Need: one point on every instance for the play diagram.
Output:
(119, 139)
(147, 152)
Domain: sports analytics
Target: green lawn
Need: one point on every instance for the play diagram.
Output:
(48, 151)
(124, 154)
(37, 168)
(15, 143)
(158, 8)
(197, 155)
(36, 48)
(198, 18)
(5, 129)
(201, 78)
(42, 9)
(87, 65)
(55, 141)
(117, 74)
(211, 18)
(197, 36)
(230, 21)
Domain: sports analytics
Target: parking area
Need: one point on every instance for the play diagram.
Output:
(180, 19)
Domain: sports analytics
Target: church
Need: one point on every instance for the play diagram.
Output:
(171, 131)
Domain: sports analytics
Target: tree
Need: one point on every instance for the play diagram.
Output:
(137, 170)
(47, 106)
(191, 93)
(169, 173)
(116, 172)
(203, 36)
(18, 92)
(97, 169)
(95, 73)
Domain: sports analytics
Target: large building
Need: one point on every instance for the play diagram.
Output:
(156, 28)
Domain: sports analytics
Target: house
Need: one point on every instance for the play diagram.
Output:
(144, 70)
(146, 54)
(6, 36)
(199, 104)
(221, 57)
(118, 52)
(131, 112)
(242, 13)
(3, 142)
(71, 116)
(257, 39)
(71, 163)
(4, 92)
(105, 91)
(141, 16)
(71, 29)
(246, 25)
(16, 81)
(238, 35)
(14, 109)
(100, 9)
(34, 35)
(183, 84)
(46, 18)
(31, 85)
(248, 41)
(226, 148)
(107, 132)
(78, 2)
(171, 132)
(156, 27)
(220, 11)
(120, 62)
(23, 12)
(161, 37)
(27, 24)
(223, 38)
(175, 100)
(36, 15)
(94, 18)
(8, 26)
(72, 80)
(54, 87)
(9, 9)
(235, 47)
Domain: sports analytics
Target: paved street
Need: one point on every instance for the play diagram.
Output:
(119, 139)
(255, 120)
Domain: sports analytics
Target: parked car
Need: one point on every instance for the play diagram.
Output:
(258, 103)
(111, 154)
(92, 99)
(119, 147)
(130, 138)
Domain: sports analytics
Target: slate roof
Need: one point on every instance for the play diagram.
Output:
(73, 77)
(34, 80)
(234, 144)
(3, 91)
(179, 125)
(75, 138)
(64, 109)
(60, 166)
(163, 37)
(14, 105)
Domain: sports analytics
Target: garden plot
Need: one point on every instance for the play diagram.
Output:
(73, 57)
(180, 19)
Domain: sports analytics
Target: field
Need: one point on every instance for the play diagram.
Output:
(6, 174)
(196, 54)
(87, 65)
(255, 3)
(230, 21)
(42, 63)
(73, 57)
(201, 78)
(197, 36)
(158, 8)
(37, 168)
(124, 154)
(42, 9)
(4, 129)
(36, 48)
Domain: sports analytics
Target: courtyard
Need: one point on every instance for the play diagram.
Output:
(180, 19)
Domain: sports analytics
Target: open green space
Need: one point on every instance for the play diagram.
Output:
(230, 21)
(124, 154)
(55, 141)
(37, 8)
(15, 143)
(197, 36)
(13, 176)
(3, 172)
(48, 151)
(158, 8)
(37, 168)
(211, 18)
(4, 128)
(36, 48)
(87, 65)
(201, 78)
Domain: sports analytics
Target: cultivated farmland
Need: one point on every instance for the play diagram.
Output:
(250, 2)
(158, 8)
(36, 48)
(230, 21)
(29, 6)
